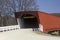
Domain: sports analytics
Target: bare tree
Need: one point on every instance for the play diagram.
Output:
(8, 7)
(6, 10)
(26, 5)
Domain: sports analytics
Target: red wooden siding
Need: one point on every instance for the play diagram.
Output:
(49, 21)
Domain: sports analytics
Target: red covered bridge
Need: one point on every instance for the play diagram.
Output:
(34, 19)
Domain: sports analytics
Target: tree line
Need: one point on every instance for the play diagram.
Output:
(8, 7)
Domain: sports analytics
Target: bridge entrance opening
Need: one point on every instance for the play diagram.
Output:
(28, 21)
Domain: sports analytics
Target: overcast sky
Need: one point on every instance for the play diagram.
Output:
(50, 6)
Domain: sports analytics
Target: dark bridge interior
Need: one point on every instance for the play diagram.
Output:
(28, 21)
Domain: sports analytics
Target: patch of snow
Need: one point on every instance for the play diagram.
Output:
(26, 34)
(9, 27)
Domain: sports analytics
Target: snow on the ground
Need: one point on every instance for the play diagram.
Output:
(26, 34)
(9, 27)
